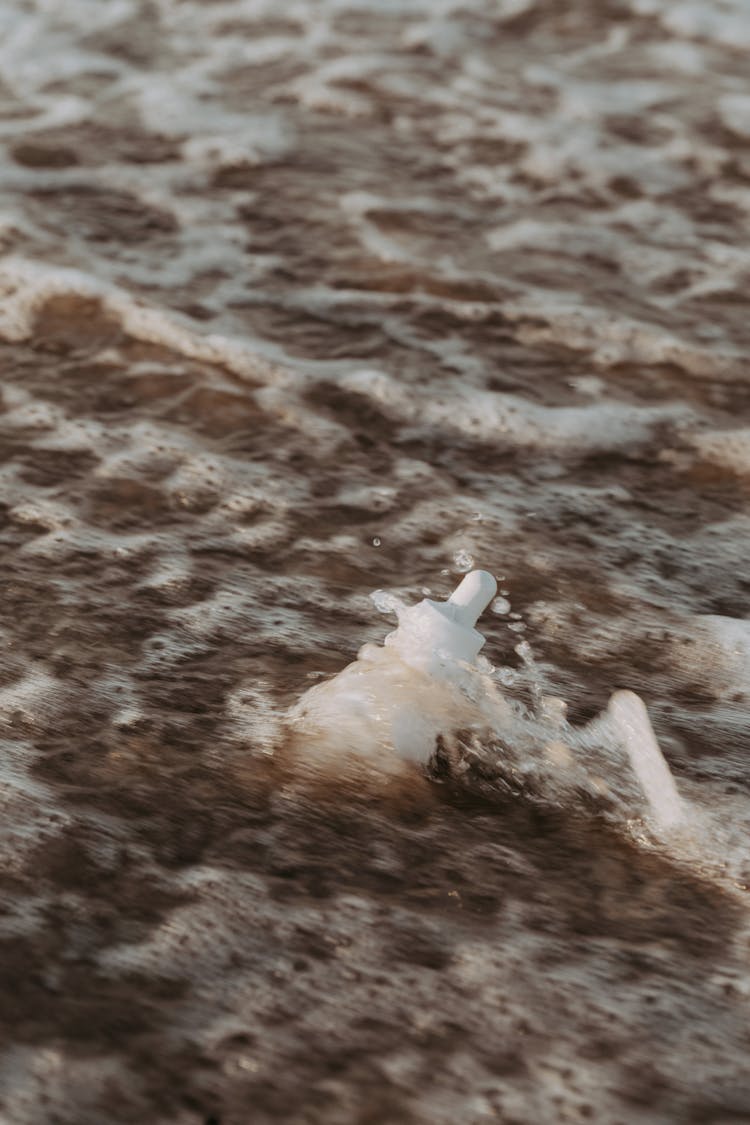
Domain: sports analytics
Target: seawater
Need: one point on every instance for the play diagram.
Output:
(300, 302)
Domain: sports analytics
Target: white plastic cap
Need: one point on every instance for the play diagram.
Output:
(432, 635)
(471, 597)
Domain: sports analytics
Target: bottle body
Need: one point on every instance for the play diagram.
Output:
(399, 697)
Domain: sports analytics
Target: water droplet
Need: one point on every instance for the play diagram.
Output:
(376, 542)
(500, 606)
(463, 561)
(386, 602)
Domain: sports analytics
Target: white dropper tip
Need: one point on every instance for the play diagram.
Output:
(471, 597)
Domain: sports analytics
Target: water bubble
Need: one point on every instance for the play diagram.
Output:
(516, 626)
(386, 602)
(500, 606)
(463, 561)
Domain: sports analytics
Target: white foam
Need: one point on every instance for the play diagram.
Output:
(728, 448)
(719, 653)
(26, 286)
(735, 113)
(723, 21)
(488, 416)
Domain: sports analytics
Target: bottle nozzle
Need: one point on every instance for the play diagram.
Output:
(471, 597)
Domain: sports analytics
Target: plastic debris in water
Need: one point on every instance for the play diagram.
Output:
(433, 636)
(401, 696)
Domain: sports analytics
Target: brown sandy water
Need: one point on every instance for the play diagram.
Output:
(299, 305)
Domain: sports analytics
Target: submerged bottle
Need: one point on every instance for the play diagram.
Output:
(401, 695)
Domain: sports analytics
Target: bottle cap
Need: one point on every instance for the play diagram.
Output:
(433, 635)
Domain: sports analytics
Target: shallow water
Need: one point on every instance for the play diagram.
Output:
(300, 302)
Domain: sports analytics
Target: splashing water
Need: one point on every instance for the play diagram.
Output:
(463, 561)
